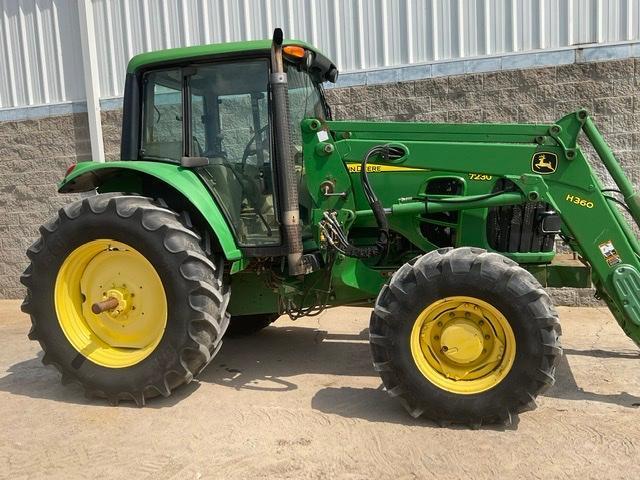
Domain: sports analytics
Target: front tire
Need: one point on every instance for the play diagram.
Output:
(465, 336)
(171, 311)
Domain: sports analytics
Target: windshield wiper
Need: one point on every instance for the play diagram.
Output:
(327, 107)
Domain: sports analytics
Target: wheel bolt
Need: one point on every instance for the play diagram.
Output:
(487, 337)
(439, 324)
(481, 322)
(437, 337)
(108, 304)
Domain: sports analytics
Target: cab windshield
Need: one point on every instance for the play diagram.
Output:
(305, 101)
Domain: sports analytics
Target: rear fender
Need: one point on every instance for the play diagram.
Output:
(130, 176)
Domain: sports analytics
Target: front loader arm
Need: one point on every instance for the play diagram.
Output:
(543, 161)
(596, 227)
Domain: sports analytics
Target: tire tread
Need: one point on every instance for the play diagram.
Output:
(208, 295)
(507, 275)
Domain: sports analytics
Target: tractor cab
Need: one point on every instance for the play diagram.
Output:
(214, 116)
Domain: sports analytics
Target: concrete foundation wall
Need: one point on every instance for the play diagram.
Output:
(35, 153)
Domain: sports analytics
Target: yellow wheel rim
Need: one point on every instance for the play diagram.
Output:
(125, 334)
(463, 345)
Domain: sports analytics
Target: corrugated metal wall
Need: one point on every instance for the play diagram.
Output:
(40, 52)
(42, 61)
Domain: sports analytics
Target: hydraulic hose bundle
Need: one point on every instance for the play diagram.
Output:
(332, 229)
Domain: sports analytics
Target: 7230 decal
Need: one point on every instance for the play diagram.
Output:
(480, 176)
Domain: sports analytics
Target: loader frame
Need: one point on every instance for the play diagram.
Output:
(593, 222)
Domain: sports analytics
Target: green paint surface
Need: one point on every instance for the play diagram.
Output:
(202, 51)
(182, 179)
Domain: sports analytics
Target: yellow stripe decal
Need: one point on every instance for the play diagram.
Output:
(355, 168)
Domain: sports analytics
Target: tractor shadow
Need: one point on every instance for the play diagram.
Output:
(567, 388)
(271, 359)
(30, 378)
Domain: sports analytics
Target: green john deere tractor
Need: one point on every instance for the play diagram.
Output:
(239, 199)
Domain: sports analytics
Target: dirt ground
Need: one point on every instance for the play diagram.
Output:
(301, 400)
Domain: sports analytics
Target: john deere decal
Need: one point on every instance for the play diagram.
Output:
(544, 163)
(355, 168)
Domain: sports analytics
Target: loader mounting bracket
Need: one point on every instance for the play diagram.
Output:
(626, 282)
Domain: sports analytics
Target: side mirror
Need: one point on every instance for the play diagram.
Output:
(192, 162)
(332, 75)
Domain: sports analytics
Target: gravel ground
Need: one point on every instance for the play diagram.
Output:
(301, 400)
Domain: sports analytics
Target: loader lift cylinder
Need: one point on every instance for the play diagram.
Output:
(285, 165)
(631, 197)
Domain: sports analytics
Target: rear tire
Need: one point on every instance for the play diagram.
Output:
(245, 325)
(486, 281)
(195, 298)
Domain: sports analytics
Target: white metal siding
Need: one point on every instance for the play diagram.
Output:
(40, 52)
(41, 55)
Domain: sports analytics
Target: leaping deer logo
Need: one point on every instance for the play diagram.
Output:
(544, 162)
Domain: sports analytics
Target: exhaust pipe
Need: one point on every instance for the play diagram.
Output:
(285, 165)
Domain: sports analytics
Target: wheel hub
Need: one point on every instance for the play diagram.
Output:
(463, 344)
(462, 341)
(110, 303)
(122, 296)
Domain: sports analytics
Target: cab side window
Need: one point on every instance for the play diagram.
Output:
(162, 116)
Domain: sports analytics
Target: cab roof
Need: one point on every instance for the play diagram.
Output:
(193, 53)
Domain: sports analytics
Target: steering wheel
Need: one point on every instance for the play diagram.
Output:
(248, 151)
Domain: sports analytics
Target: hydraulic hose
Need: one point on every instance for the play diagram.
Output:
(333, 230)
